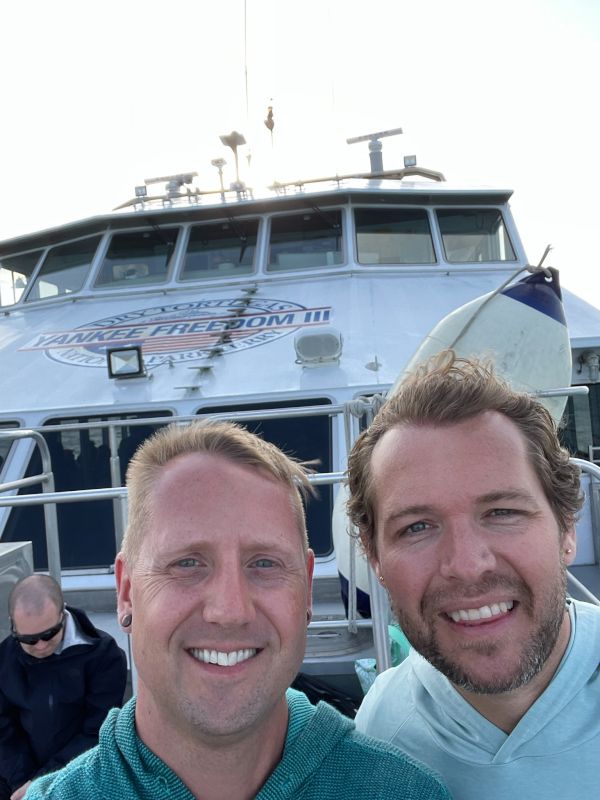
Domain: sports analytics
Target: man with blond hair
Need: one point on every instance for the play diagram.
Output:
(466, 505)
(214, 585)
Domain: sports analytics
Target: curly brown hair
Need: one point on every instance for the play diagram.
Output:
(446, 390)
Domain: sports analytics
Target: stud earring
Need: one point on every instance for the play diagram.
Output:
(126, 620)
(381, 580)
(569, 550)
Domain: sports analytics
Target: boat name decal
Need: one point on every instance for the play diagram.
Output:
(186, 331)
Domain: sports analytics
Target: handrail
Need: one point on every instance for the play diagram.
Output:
(594, 470)
(46, 478)
(49, 497)
(586, 466)
(593, 450)
(113, 492)
(379, 600)
(73, 496)
(582, 589)
(332, 409)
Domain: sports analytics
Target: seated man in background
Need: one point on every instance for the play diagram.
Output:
(214, 585)
(59, 678)
(466, 505)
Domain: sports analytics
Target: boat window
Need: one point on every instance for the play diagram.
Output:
(80, 460)
(580, 426)
(5, 444)
(474, 235)
(64, 269)
(393, 236)
(137, 259)
(304, 241)
(223, 249)
(15, 274)
(304, 438)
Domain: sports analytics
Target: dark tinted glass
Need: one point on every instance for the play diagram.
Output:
(80, 460)
(221, 249)
(64, 269)
(307, 439)
(136, 259)
(393, 236)
(474, 235)
(305, 241)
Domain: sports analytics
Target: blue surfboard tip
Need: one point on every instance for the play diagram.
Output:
(541, 293)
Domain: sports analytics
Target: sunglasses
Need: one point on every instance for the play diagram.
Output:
(44, 636)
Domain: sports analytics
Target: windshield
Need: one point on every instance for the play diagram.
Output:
(474, 235)
(64, 269)
(15, 275)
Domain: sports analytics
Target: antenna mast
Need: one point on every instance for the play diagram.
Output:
(375, 146)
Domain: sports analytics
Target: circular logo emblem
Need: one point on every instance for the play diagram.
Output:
(185, 331)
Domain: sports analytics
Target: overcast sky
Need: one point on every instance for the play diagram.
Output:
(98, 97)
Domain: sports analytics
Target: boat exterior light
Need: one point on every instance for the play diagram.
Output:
(318, 346)
(125, 362)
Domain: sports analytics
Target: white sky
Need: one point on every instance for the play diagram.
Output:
(96, 97)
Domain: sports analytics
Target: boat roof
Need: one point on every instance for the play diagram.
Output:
(389, 187)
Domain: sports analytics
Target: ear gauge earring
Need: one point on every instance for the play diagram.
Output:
(125, 620)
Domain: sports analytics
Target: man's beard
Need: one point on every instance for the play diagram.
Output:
(535, 651)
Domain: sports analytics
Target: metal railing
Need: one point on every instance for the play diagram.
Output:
(49, 498)
(352, 412)
(594, 471)
(46, 478)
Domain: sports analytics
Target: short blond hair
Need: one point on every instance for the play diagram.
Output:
(224, 439)
(446, 390)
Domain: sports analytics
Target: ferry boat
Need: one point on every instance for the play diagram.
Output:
(292, 311)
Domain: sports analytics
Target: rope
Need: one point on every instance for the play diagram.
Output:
(363, 405)
(528, 268)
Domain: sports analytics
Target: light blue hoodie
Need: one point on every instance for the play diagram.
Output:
(553, 752)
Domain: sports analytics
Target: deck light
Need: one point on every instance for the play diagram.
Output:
(318, 346)
(125, 362)
(410, 161)
(234, 140)
(219, 163)
(141, 191)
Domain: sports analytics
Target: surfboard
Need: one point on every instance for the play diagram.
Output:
(523, 330)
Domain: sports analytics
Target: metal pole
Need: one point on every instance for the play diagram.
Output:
(47, 481)
(380, 614)
(115, 479)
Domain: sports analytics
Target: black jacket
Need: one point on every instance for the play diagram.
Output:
(51, 709)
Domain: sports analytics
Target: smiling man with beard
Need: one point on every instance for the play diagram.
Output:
(466, 503)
